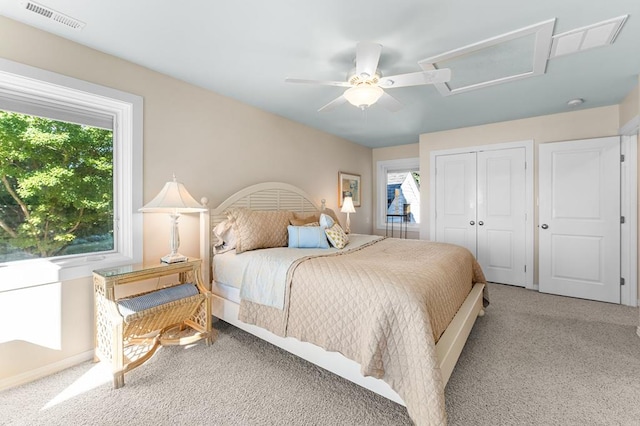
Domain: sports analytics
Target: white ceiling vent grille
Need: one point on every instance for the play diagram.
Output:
(54, 15)
(596, 35)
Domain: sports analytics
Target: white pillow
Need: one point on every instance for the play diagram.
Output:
(326, 221)
(225, 237)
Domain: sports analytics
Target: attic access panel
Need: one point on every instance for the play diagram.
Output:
(508, 57)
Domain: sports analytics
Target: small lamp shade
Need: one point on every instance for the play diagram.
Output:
(347, 207)
(173, 199)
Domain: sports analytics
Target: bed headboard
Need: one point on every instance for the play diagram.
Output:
(262, 196)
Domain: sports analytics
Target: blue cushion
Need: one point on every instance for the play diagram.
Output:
(307, 237)
(132, 305)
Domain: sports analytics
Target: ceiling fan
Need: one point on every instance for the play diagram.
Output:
(366, 84)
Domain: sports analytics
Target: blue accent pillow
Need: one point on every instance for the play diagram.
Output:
(307, 237)
(326, 221)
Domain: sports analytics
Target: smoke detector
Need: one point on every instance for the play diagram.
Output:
(575, 102)
(54, 15)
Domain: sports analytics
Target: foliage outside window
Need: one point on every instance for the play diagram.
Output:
(56, 189)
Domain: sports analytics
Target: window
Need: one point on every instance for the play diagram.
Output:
(56, 191)
(72, 179)
(398, 186)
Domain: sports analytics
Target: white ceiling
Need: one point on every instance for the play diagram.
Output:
(245, 49)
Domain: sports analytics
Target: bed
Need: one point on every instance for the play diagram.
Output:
(371, 321)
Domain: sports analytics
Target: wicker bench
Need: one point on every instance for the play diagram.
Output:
(129, 330)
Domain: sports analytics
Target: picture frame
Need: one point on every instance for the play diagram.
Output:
(349, 184)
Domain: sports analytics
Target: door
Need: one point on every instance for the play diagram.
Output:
(501, 224)
(480, 205)
(579, 233)
(456, 200)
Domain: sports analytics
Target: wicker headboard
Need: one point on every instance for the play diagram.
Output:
(262, 196)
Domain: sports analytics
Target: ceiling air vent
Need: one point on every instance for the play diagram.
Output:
(595, 35)
(55, 16)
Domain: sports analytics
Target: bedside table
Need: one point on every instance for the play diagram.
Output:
(129, 330)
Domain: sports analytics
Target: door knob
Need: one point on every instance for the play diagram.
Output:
(544, 226)
(481, 223)
(472, 223)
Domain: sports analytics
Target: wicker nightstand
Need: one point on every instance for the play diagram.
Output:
(128, 341)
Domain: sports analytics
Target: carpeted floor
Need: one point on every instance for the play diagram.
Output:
(533, 359)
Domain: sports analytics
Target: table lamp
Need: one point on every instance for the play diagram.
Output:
(347, 207)
(173, 199)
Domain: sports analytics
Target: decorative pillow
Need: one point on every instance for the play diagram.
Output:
(297, 220)
(259, 229)
(307, 237)
(332, 214)
(226, 238)
(337, 236)
(326, 221)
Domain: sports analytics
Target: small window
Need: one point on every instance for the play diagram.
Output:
(403, 195)
(398, 191)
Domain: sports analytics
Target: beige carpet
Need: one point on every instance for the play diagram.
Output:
(533, 359)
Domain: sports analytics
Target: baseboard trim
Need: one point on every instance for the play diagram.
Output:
(38, 373)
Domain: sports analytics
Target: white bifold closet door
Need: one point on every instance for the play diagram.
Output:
(481, 205)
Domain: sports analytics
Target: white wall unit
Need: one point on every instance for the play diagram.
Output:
(482, 200)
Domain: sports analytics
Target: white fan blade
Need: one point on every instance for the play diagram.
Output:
(367, 57)
(389, 102)
(334, 103)
(416, 78)
(320, 82)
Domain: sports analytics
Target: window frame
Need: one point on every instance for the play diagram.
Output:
(127, 112)
(383, 167)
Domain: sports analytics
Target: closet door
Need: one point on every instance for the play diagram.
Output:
(580, 219)
(501, 215)
(456, 199)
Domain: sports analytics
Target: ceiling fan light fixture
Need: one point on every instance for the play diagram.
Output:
(363, 95)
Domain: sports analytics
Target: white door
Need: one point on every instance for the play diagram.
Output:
(501, 217)
(456, 200)
(579, 223)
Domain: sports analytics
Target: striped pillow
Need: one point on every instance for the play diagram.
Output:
(137, 304)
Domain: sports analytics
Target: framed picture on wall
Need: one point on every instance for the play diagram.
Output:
(349, 185)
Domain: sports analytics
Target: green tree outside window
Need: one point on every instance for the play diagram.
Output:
(56, 188)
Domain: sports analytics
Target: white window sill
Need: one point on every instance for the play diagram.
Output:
(37, 272)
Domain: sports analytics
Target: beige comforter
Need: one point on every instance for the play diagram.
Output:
(384, 306)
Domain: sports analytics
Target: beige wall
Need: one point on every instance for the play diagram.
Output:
(213, 144)
(630, 106)
(390, 153)
(584, 124)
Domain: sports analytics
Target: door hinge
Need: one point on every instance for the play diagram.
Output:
(622, 220)
(621, 281)
(525, 268)
(622, 158)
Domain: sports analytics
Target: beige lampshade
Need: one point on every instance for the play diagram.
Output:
(173, 198)
(347, 205)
